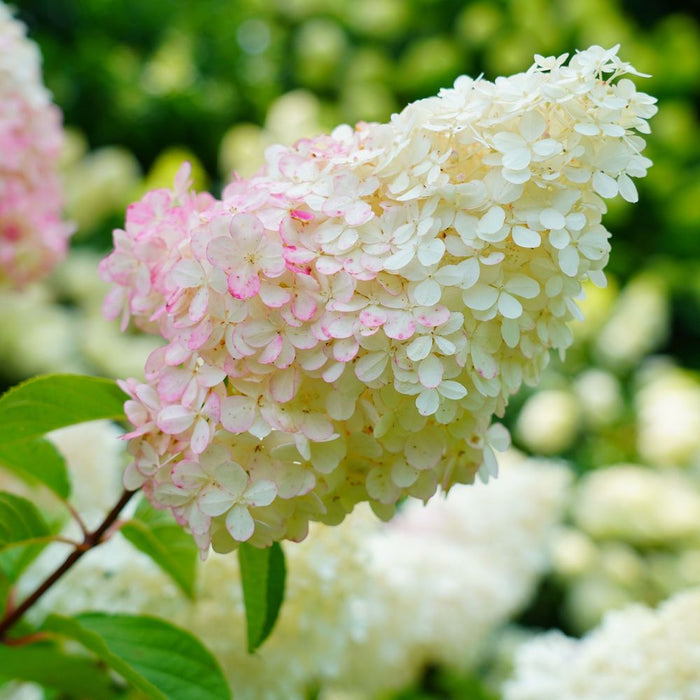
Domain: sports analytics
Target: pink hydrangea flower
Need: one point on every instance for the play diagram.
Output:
(33, 236)
(345, 325)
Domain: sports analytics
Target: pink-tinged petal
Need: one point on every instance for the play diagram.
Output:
(261, 493)
(200, 334)
(240, 523)
(244, 284)
(272, 296)
(222, 252)
(246, 231)
(272, 351)
(284, 385)
(172, 383)
(340, 326)
(433, 317)
(345, 350)
(400, 325)
(373, 317)
(304, 306)
(210, 376)
(198, 305)
(201, 436)
(237, 413)
(188, 475)
(215, 500)
(484, 363)
(177, 354)
(430, 372)
(370, 367)
(175, 419)
(232, 477)
(188, 273)
(171, 496)
(302, 215)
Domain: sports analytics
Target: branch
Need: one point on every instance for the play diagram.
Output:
(91, 539)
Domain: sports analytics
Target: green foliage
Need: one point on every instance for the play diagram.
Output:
(51, 666)
(23, 534)
(155, 657)
(53, 401)
(156, 534)
(37, 461)
(263, 575)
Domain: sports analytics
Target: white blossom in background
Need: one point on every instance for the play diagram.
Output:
(638, 324)
(450, 573)
(345, 325)
(599, 394)
(549, 421)
(667, 404)
(366, 605)
(635, 654)
(33, 236)
(638, 505)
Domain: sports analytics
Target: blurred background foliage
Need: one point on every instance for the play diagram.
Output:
(144, 85)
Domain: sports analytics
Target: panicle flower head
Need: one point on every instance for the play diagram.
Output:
(344, 325)
(33, 238)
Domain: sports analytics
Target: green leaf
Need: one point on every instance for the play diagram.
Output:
(157, 534)
(45, 403)
(263, 574)
(161, 660)
(49, 665)
(35, 461)
(21, 525)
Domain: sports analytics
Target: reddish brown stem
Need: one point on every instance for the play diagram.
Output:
(91, 539)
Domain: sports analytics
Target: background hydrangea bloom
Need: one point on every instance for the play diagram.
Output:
(33, 238)
(344, 325)
(636, 652)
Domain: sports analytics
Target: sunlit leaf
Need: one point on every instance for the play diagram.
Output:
(157, 658)
(21, 530)
(50, 666)
(45, 403)
(263, 575)
(37, 460)
(156, 534)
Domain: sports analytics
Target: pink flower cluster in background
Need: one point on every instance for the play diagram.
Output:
(33, 237)
(343, 326)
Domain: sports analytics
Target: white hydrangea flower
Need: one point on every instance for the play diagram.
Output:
(635, 653)
(637, 505)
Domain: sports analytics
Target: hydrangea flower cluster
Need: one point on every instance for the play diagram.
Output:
(343, 326)
(636, 652)
(33, 237)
